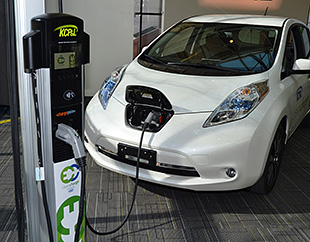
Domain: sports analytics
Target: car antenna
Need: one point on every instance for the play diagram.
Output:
(265, 13)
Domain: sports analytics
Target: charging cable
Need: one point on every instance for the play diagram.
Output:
(147, 122)
(39, 146)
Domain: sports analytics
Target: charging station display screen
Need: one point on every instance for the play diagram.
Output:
(64, 60)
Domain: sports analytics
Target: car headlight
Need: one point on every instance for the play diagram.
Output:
(109, 85)
(238, 104)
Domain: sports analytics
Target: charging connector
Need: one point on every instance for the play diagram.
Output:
(149, 119)
(71, 137)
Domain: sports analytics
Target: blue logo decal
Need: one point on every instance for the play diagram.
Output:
(299, 93)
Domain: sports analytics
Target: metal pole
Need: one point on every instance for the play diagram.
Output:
(24, 11)
(60, 6)
(14, 107)
(140, 30)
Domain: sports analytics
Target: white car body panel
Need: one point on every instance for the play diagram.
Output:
(240, 19)
(211, 91)
(242, 144)
(201, 153)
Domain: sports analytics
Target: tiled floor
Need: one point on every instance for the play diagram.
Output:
(169, 214)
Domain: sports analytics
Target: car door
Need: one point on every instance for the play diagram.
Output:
(305, 34)
(297, 46)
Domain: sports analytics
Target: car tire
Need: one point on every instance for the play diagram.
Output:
(267, 181)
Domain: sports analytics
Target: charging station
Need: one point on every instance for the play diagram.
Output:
(55, 52)
(164, 213)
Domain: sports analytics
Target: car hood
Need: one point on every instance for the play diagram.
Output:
(186, 93)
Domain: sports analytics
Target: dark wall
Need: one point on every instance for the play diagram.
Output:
(4, 92)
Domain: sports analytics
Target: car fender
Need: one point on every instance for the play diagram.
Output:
(273, 111)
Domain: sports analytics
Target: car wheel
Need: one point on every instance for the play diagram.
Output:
(266, 183)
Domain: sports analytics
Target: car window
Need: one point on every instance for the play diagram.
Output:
(213, 48)
(178, 42)
(306, 40)
(257, 36)
(297, 46)
(290, 54)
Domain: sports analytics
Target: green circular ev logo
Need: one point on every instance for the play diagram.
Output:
(67, 216)
(69, 173)
(61, 60)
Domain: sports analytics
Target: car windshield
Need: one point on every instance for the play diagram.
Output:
(213, 49)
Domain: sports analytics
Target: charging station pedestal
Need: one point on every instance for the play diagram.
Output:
(55, 52)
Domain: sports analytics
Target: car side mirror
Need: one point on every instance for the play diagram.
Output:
(301, 66)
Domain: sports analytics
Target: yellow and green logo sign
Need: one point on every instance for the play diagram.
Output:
(68, 30)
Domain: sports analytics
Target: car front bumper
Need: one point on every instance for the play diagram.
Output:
(187, 155)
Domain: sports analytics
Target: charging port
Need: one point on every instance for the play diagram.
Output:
(143, 100)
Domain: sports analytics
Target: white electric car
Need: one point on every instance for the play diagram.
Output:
(228, 91)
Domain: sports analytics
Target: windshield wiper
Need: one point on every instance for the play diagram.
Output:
(218, 68)
(154, 59)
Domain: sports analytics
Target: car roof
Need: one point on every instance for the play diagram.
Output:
(240, 19)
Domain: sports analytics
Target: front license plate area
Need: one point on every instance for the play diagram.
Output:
(129, 153)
